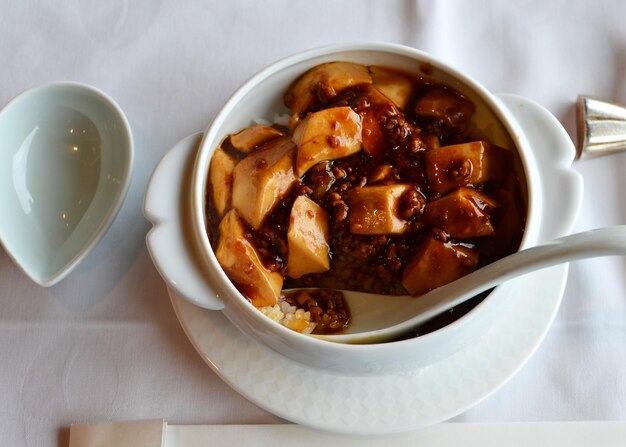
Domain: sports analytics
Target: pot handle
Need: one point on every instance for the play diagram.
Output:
(170, 241)
(554, 153)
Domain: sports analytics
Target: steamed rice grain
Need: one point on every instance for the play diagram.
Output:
(290, 316)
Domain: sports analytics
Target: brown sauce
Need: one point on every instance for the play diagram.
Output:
(395, 144)
(327, 307)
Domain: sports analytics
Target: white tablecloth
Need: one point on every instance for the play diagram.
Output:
(104, 344)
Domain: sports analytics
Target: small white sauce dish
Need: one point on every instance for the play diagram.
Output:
(66, 155)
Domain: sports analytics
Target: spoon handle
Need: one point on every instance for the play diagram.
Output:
(608, 241)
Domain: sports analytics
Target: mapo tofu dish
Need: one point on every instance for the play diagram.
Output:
(379, 181)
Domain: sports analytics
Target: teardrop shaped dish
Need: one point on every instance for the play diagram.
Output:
(66, 154)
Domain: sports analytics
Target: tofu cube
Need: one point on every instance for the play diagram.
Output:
(307, 239)
(463, 213)
(375, 109)
(435, 264)
(323, 82)
(221, 180)
(393, 84)
(473, 163)
(253, 137)
(453, 109)
(382, 173)
(431, 141)
(262, 178)
(242, 263)
(374, 210)
(327, 135)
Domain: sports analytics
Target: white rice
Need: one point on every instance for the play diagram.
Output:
(289, 316)
(282, 119)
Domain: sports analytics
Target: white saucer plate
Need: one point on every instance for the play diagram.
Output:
(385, 404)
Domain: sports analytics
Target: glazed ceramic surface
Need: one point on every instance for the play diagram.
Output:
(529, 127)
(66, 154)
(409, 399)
(391, 403)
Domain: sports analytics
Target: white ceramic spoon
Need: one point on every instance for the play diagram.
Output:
(378, 318)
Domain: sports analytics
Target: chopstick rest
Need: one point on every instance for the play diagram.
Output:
(150, 433)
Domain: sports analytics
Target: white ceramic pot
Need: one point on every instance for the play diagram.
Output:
(182, 252)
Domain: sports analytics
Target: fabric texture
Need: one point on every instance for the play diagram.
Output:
(104, 344)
